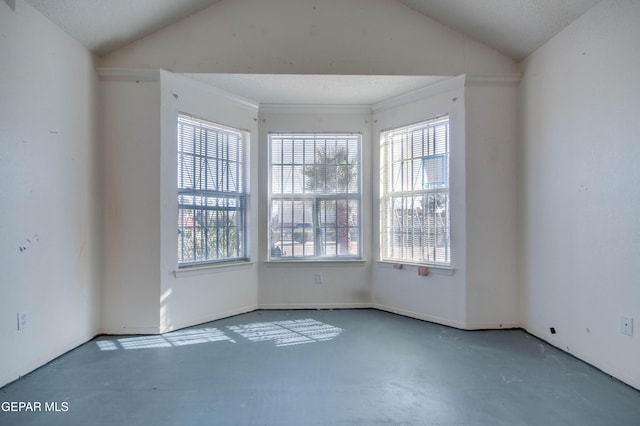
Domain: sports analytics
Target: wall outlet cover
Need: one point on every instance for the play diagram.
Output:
(22, 320)
(626, 325)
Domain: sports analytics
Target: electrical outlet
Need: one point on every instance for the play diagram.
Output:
(22, 320)
(626, 325)
(318, 277)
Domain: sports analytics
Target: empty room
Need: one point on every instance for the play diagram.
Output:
(317, 212)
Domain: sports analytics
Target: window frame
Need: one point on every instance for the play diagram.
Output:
(430, 192)
(315, 199)
(223, 199)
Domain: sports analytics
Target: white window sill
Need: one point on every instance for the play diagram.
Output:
(436, 269)
(318, 262)
(189, 271)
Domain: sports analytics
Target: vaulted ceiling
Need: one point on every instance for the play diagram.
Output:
(515, 28)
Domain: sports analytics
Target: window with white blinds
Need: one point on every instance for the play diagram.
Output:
(212, 192)
(414, 208)
(315, 195)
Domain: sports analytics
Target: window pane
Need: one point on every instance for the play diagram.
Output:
(292, 232)
(211, 192)
(311, 214)
(276, 179)
(415, 193)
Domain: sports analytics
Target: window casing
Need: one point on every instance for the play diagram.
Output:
(212, 192)
(414, 205)
(315, 196)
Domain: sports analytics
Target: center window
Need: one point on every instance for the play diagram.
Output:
(315, 195)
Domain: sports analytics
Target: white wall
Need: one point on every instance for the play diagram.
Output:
(209, 293)
(143, 291)
(130, 154)
(481, 290)
(311, 37)
(441, 296)
(49, 220)
(492, 204)
(335, 37)
(290, 284)
(580, 236)
(133, 207)
(483, 158)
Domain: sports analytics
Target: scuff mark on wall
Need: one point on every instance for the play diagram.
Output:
(23, 248)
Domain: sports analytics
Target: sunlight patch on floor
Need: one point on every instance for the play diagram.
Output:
(283, 333)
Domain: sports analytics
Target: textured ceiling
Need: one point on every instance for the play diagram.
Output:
(105, 25)
(513, 27)
(316, 89)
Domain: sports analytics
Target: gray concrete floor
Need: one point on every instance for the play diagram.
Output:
(308, 367)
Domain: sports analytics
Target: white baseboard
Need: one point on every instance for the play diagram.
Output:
(493, 326)
(123, 331)
(209, 318)
(43, 360)
(354, 305)
(604, 367)
(420, 316)
(180, 324)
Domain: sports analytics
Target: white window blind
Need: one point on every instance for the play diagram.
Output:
(212, 192)
(414, 206)
(315, 195)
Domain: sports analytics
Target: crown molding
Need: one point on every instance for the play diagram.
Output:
(492, 80)
(315, 108)
(452, 83)
(138, 75)
(464, 80)
(197, 84)
(128, 74)
(416, 95)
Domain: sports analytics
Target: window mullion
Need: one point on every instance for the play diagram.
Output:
(203, 185)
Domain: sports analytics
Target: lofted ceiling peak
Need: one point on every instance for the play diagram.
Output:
(106, 25)
(514, 28)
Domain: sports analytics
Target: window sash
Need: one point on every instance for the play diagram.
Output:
(212, 192)
(415, 207)
(315, 196)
